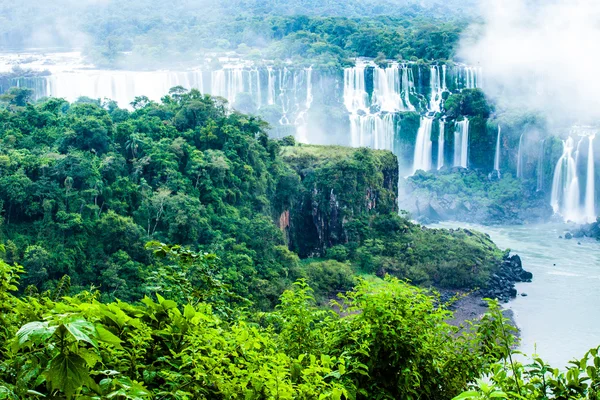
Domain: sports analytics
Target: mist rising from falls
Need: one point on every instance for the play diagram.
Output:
(422, 159)
(441, 145)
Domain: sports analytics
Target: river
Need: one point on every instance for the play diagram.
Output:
(560, 317)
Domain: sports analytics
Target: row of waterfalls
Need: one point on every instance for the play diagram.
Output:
(373, 96)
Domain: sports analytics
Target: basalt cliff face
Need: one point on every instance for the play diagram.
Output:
(341, 189)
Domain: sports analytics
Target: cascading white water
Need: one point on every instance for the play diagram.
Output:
(520, 158)
(590, 187)
(472, 77)
(408, 87)
(258, 89)
(441, 143)
(461, 144)
(374, 131)
(422, 159)
(387, 88)
(565, 184)
(498, 149)
(309, 90)
(301, 121)
(120, 86)
(355, 93)
(384, 132)
(437, 88)
(270, 86)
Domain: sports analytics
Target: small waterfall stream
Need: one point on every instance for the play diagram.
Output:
(422, 159)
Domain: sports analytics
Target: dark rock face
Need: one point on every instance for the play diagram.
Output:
(502, 284)
(337, 192)
(589, 230)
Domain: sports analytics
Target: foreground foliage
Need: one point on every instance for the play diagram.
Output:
(390, 341)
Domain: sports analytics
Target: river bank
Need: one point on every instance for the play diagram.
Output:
(558, 317)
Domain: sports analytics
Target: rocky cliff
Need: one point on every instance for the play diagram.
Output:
(341, 189)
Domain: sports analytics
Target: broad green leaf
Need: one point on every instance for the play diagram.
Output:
(67, 373)
(106, 336)
(35, 332)
(82, 330)
(471, 394)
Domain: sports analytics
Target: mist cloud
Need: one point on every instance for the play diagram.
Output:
(540, 55)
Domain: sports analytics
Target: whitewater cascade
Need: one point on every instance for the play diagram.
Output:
(437, 82)
(498, 148)
(441, 145)
(387, 89)
(120, 86)
(270, 86)
(473, 77)
(590, 187)
(372, 120)
(461, 144)
(520, 158)
(422, 159)
(565, 184)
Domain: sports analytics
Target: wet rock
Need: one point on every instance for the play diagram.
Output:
(524, 294)
(568, 236)
(501, 285)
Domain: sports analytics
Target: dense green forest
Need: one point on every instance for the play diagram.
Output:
(83, 187)
(322, 32)
(262, 235)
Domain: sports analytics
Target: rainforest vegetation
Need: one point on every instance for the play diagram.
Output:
(94, 305)
(322, 34)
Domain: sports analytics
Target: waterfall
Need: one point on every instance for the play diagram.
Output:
(383, 135)
(441, 142)
(120, 86)
(497, 156)
(435, 83)
(270, 86)
(375, 131)
(444, 70)
(461, 144)
(258, 93)
(520, 158)
(387, 89)
(309, 95)
(590, 188)
(355, 94)
(408, 87)
(422, 160)
(472, 78)
(540, 171)
(565, 184)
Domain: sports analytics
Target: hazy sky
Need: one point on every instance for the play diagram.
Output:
(540, 55)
